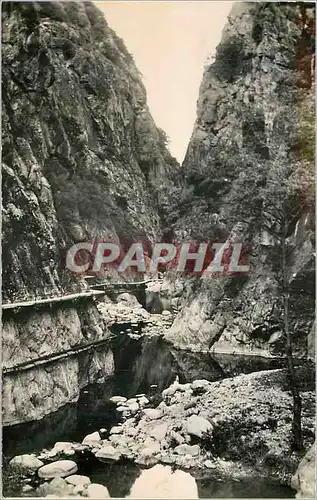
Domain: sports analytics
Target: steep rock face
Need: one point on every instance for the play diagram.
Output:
(31, 394)
(49, 356)
(82, 160)
(82, 156)
(254, 118)
(36, 333)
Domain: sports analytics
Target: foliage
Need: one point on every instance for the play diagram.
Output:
(228, 61)
(303, 176)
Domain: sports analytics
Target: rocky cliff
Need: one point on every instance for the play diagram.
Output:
(82, 156)
(253, 137)
(82, 160)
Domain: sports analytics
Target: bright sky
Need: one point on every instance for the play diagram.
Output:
(170, 42)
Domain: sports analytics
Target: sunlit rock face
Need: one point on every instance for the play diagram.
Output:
(31, 394)
(32, 335)
(162, 482)
(255, 104)
(82, 155)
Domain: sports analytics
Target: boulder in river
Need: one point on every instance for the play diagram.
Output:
(77, 479)
(26, 462)
(95, 490)
(58, 486)
(117, 429)
(133, 407)
(128, 300)
(162, 482)
(92, 439)
(60, 468)
(121, 409)
(108, 452)
(143, 401)
(62, 446)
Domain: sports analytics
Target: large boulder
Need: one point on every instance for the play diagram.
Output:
(162, 482)
(26, 462)
(97, 491)
(198, 426)
(92, 439)
(128, 300)
(60, 468)
(62, 446)
(58, 486)
(304, 479)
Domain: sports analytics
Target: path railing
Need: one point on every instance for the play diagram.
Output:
(51, 300)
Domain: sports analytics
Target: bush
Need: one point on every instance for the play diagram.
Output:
(229, 59)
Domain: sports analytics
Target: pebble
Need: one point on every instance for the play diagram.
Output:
(118, 399)
(152, 413)
(26, 488)
(209, 464)
(120, 409)
(186, 449)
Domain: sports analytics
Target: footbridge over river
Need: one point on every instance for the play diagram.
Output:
(113, 289)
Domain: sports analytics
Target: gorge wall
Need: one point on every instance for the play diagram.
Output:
(82, 157)
(82, 160)
(254, 132)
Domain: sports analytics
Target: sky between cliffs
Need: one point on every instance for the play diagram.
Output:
(170, 42)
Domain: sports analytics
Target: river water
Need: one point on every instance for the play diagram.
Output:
(146, 365)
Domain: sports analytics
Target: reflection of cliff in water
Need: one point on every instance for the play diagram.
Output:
(119, 478)
(31, 436)
(250, 487)
(140, 363)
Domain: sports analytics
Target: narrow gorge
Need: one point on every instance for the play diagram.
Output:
(185, 383)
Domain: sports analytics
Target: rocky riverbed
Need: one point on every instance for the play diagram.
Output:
(127, 310)
(237, 427)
